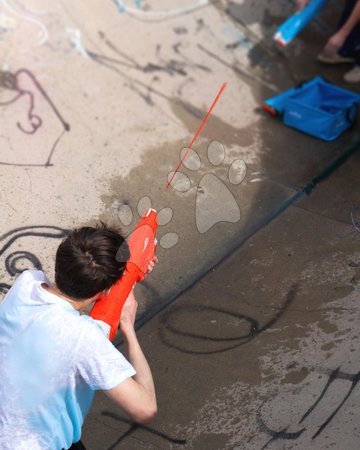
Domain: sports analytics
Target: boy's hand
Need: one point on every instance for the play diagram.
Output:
(128, 314)
(151, 265)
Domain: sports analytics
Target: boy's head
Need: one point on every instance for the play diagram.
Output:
(88, 261)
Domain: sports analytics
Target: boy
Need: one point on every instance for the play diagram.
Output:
(52, 359)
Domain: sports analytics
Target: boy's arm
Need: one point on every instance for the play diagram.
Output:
(135, 395)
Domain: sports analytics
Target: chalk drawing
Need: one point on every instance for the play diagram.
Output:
(6, 22)
(215, 203)
(239, 69)
(165, 215)
(133, 427)
(30, 9)
(121, 5)
(12, 252)
(198, 131)
(172, 67)
(23, 85)
(355, 218)
(43, 32)
(76, 42)
(158, 15)
(174, 333)
(353, 230)
(337, 374)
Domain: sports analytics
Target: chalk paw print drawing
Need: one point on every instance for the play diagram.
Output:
(215, 202)
(165, 215)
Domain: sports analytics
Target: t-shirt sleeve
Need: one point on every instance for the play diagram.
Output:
(99, 363)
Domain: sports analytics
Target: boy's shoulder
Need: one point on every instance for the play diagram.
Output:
(31, 275)
(25, 280)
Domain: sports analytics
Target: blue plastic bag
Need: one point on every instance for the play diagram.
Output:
(317, 108)
(295, 23)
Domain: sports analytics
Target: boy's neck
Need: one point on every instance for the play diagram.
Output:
(79, 305)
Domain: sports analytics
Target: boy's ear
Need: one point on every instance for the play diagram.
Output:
(97, 296)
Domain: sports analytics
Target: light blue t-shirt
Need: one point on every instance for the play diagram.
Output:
(52, 359)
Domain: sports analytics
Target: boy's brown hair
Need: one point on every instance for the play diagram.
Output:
(90, 260)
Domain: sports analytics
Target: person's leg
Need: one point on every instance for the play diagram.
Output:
(346, 54)
(348, 7)
(351, 46)
(352, 43)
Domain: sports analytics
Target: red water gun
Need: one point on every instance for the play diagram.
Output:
(142, 246)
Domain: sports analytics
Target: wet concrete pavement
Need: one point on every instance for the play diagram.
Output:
(263, 351)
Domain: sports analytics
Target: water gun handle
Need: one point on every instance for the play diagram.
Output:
(295, 23)
(142, 246)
